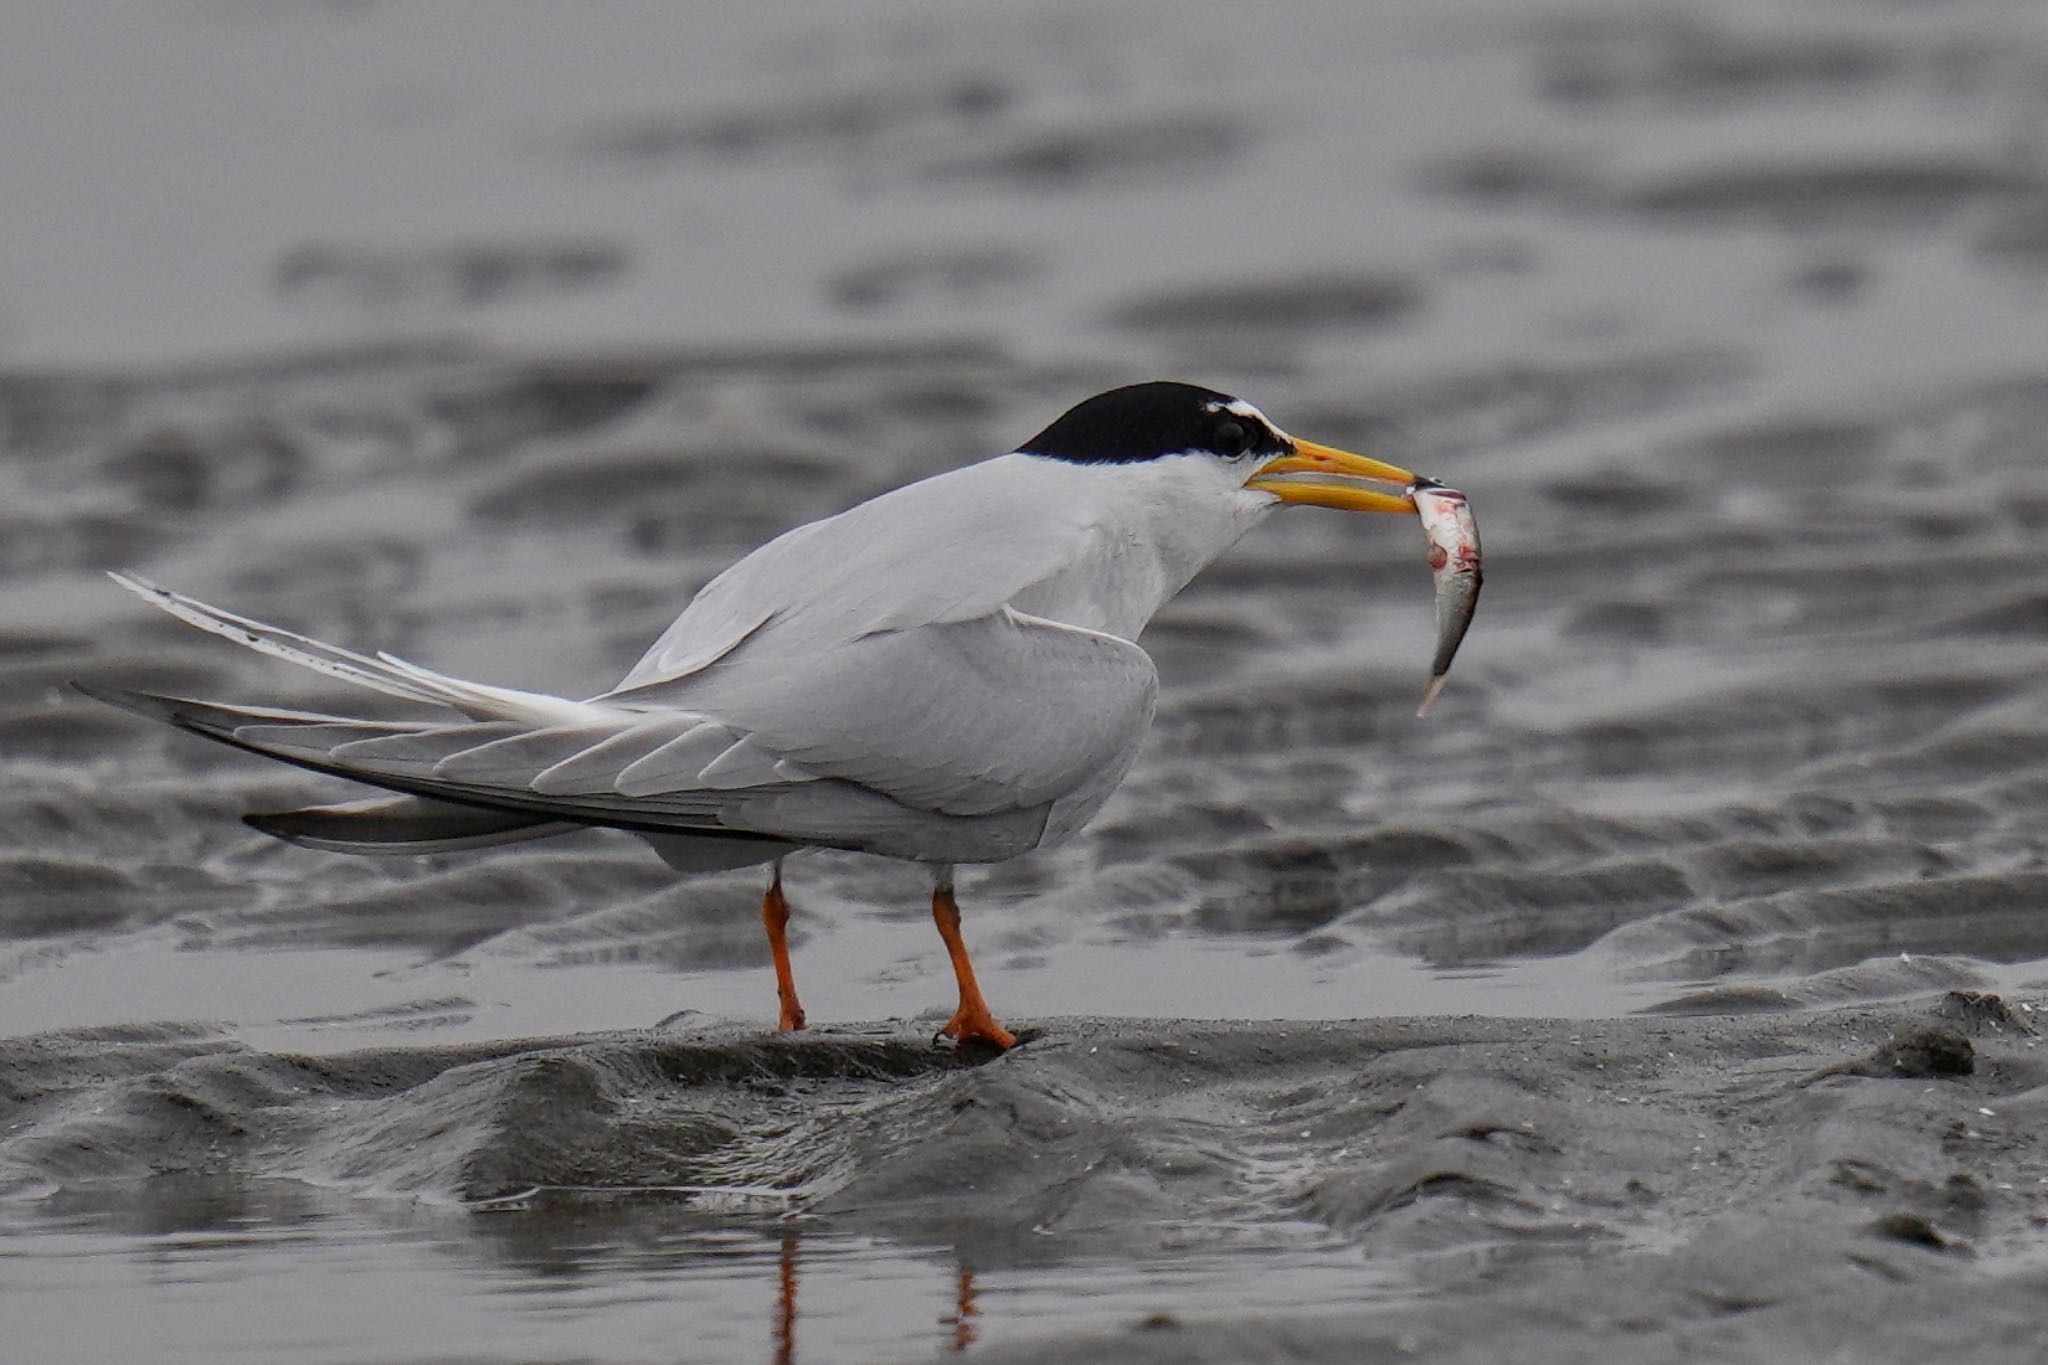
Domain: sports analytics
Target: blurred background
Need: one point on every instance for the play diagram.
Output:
(486, 332)
(215, 180)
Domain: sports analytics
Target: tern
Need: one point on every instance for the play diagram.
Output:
(947, 674)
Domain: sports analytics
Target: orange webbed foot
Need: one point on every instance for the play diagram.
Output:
(978, 1026)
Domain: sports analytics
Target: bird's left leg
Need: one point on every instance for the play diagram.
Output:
(971, 1022)
(775, 918)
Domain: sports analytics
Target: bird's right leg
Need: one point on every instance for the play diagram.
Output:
(972, 1022)
(775, 918)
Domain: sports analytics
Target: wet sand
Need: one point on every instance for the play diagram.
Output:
(1859, 1182)
(1670, 992)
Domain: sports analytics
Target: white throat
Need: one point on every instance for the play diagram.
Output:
(1151, 526)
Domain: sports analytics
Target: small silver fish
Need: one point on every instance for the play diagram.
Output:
(1453, 538)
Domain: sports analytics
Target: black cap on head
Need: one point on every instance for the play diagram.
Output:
(1147, 421)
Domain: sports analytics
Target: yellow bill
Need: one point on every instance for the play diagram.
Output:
(1323, 476)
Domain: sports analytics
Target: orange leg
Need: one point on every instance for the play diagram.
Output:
(775, 917)
(971, 1022)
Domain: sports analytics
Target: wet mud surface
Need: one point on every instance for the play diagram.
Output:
(1670, 991)
(1867, 1181)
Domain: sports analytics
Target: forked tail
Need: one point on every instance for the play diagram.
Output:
(380, 825)
(511, 766)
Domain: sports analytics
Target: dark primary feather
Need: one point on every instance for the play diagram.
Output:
(401, 825)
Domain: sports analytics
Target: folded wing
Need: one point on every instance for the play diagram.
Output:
(947, 741)
(1002, 712)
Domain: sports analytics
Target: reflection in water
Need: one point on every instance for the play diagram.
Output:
(165, 1271)
(963, 1311)
(785, 1301)
(783, 1332)
(571, 1243)
(593, 1274)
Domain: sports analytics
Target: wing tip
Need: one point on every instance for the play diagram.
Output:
(301, 826)
(140, 703)
(277, 824)
(402, 825)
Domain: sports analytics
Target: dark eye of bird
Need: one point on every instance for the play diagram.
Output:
(1230, 438)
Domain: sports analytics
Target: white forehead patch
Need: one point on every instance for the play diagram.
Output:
(1237, 407)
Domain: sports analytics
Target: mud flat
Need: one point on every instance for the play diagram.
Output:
(1861, 1181)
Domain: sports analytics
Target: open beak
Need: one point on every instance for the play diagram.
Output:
(1329, 477)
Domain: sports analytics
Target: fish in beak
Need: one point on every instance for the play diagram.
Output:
(1322, 476)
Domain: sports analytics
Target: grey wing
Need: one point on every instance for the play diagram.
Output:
(1003, 712)
(949, 549)
(946, 742)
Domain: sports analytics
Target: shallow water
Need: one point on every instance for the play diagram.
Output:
(607, 1284)
(503, 336)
